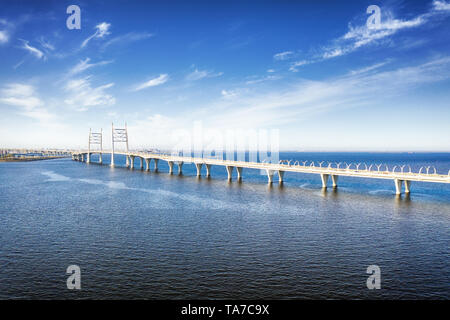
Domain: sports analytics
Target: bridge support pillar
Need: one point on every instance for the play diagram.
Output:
(229, 172)
(112, 159)
(269, 176)
(170, 163)
(407, 186)
(127, 161)
(324, 178)
(88, 158)
(398, 186)
(198, 166)
(147, 164)
(180, 167)
(280, 176)
(239, 173)
(141, 162)
(156, 164)
(131, 163)
(208, 170)
(334, 179)
(100, 158)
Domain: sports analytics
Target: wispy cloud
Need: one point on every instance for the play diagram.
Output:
(163, 78)
(294, 67)
(283, 55)
(254, 80)
(305, 98)
(359, 36)
(102, 29)
(84, 65)
(34, 51)
(4, 33)
(127, 38)
(439, 5)
(83, 95)
(4, 37)
(20, 95)
(24, 96)
(369, 68)
(201, 74)
(46, 45)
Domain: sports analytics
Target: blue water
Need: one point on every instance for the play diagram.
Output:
(150, 235)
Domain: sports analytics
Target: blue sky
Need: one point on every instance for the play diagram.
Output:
(311, 69)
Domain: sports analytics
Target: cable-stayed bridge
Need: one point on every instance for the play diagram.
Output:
(402, 176)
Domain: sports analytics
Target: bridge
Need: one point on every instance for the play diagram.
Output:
(33, 154)
(397, 174)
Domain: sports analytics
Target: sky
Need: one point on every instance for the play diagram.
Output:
(323, 75)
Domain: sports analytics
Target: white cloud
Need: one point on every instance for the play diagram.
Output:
(102, 29)
(357, 37)
(441, 5)
(230, 94)
(201, 74)
(283, 55)
(24, 97)
(38, 53)
(127, 38)
(84, 65)
(369, 68)
(297, 64)
(46, 45)
(39, 114)
(254, 80)
(302, 99)
(4, 36)
(18, 89)
(163, 78)
(28, 103)
(361, 36)
(4, 33)
(20, 95)
(83, 95)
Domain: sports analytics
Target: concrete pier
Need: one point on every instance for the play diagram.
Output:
(399, 177)
(230, 172)
(269, 176)
(324, 178)
(407, 186)
(280, 176)
(239, 173)
(180, 167)
(199, 169)
(398, 186)
(334, 179)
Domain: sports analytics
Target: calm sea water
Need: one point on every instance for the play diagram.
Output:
(153, 235)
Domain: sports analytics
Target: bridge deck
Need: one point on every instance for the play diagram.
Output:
(272, 167)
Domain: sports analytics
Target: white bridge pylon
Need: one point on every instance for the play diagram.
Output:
(119, 135)
(95, 138)
(400, 177)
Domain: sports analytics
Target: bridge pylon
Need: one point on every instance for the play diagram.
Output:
(95, 138)
(119, 135)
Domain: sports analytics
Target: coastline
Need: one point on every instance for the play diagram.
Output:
(26, 159)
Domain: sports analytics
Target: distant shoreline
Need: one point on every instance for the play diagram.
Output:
(26, 159)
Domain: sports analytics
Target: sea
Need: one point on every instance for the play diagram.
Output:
(153, 235)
